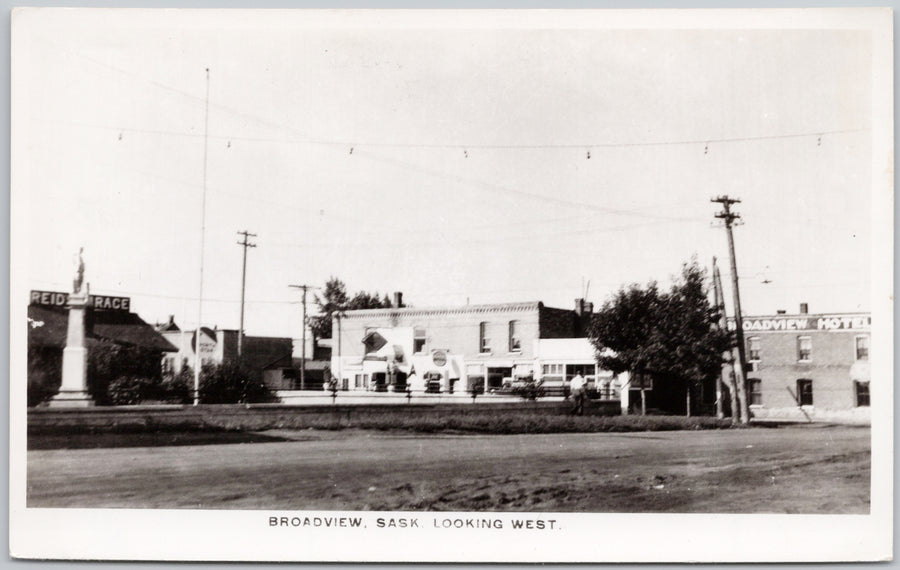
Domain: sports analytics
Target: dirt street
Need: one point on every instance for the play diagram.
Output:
(784, 470)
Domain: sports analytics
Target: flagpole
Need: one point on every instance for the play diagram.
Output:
(197, 360)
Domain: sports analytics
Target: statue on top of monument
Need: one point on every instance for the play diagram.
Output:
(79, 272)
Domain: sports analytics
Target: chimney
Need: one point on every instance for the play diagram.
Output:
(171, 320)
(398, 299)
(589, 308)
(579, 306)
(804, 308)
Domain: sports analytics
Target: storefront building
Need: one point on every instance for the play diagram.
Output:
(453, 349)
(809, 366)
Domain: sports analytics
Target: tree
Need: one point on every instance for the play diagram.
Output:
(335, 299)
(671, 336)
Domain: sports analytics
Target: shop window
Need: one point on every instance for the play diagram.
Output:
(515, 345)
(484, 343)
(753, 349)
(419, 341)
(804, 348)
(755, 385)
(862, 348)
(805, 392)
(862, 393)
(552, 372)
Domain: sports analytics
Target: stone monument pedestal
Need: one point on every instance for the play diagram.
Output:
(73, 390)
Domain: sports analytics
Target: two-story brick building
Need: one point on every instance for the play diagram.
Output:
(465, 345)
(808, 366)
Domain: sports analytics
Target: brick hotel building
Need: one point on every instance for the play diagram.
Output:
(809, 366)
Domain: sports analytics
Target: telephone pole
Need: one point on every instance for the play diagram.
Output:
(729, 217)
(245, 245)
(305, 288)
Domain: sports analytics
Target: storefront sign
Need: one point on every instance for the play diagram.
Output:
(811, 323)
(59, 299)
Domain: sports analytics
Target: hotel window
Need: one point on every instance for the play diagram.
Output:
(804, 392)
(753, 349)
(419, 341)
(755, 392)
(804, 348)
(484, 343)
(862, 393)
(862, 348)
(515, 345)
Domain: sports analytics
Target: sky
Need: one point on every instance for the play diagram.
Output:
(455, 161)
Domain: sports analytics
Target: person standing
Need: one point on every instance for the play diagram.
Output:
(578, 394)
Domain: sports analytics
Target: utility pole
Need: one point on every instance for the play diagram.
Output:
(305, 288)
(727, 376)
(245, 245)
(729, 217)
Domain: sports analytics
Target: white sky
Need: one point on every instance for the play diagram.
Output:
(469, 176)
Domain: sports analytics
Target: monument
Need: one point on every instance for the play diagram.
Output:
(73, 390)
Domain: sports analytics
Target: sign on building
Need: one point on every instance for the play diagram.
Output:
(99, 302)
(811, 323)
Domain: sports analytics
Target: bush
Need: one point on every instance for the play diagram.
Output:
(231, 383)
(177, 389)
(529, 389)
(109, 362)
(44, 374)
(131, 390)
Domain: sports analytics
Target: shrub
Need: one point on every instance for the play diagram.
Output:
(44, 374)
(231, 383)
(131, 390)
(108, 362)
(529, 389)
(177, 389)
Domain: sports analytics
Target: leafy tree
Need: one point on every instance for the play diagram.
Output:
(672, 336)
(335, 299)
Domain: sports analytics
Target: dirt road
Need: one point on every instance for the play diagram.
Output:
(793, 470)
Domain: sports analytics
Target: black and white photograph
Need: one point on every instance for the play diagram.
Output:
(451, 285)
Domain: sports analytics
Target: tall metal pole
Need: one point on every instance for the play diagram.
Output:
(245, 244)
(305, 288)
(729, 217)
(197, 360)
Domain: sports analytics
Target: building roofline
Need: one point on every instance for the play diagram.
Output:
(805, 315)
(445, 310)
